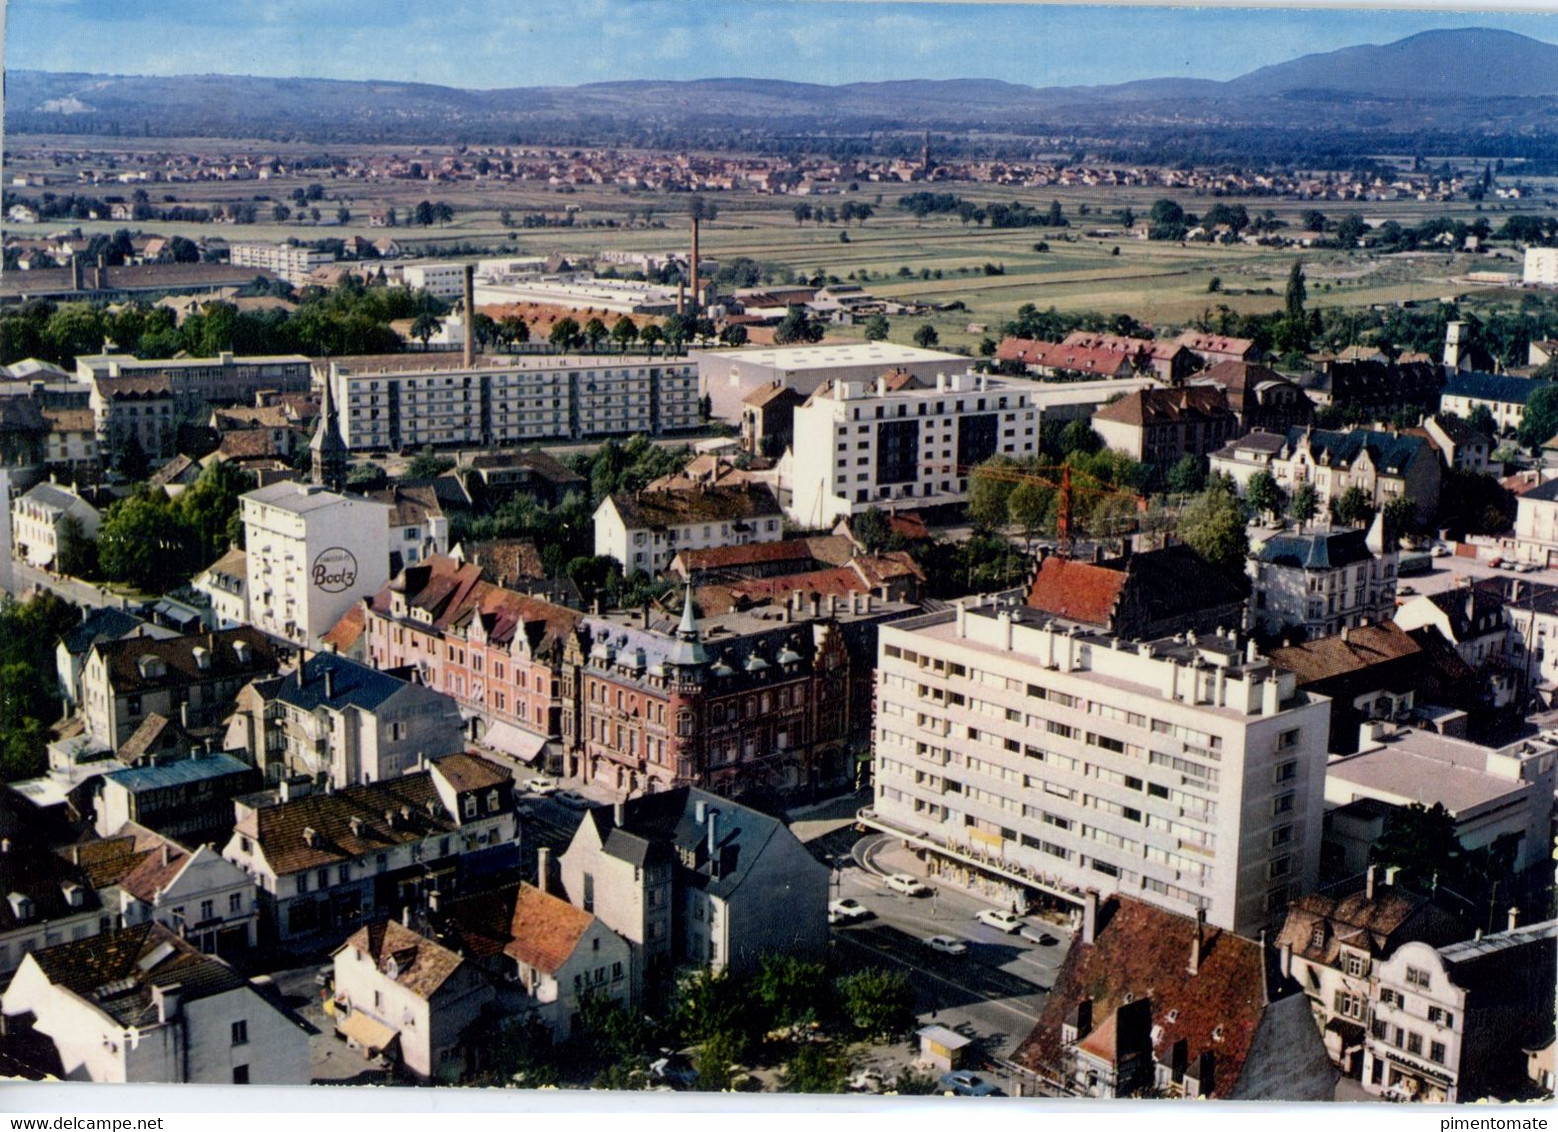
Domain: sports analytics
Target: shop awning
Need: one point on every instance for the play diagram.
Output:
(367, 1032)
(526, 746)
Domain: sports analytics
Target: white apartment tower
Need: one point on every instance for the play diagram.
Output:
(311, 554)
(875, 444)
(1044, 760)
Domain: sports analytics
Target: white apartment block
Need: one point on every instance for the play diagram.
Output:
(293, 264)
(402, 402)
(1541, 267)
(1044, 761)
(441, 280)
(647, 529)
(311, 555)
(859, 445)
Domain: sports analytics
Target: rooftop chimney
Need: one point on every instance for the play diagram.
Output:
(1391, 873)
(713, 824)
(619, 813)
(1368, 883)
(1287, 960)
(329, 683)
(1197, 943)
(469, 355)
(1089, 915)
(1514, 917)
(543, 868)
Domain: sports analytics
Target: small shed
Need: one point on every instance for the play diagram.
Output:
(942, 1048)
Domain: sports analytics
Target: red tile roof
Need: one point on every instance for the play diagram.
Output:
(1159, 406)
(1142, 953)
(1077, 591)
(421, 966)
(545, 929)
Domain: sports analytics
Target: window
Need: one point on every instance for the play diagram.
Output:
(1415, 1044)
(1285, 772)
(1287, 739)
(1436, 1052)
(234, 903)
(1417, 978)
(302, 883)
(240, 1074)
(241, 1032)
(589, 892)
(1350, 1005)
(1439, 1016)
(1282, 804)
(1355, 965)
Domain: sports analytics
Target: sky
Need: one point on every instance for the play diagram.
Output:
(486, 44)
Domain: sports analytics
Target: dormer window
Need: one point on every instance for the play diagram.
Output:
(243, 651)
(21, 906)
(1317, 937)
(74, 895)
(150, 667)
(202, 657)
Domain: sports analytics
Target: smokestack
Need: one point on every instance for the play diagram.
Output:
(544, 868)
(469, 355)
(697, 299)
(1197, 943)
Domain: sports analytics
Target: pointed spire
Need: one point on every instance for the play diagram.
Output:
(330, 455)
(688, 629)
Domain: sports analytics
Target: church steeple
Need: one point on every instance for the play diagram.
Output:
(330, 457)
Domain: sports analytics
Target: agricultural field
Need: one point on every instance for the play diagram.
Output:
(1091, 265)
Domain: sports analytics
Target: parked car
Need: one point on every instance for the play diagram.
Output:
(868, 1081)
(908, 885)
(1000, 919)
(962, 1083)
(540, 785)
(1439, 550)
(571, 800)
(847, 911)
(674, 1070)
(1038, 936)
(1526, 568)
(947, 945)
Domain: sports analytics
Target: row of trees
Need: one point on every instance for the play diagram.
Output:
(29, 687)
(792, 1012)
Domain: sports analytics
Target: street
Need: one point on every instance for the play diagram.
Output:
(994, 993)
(25, 577)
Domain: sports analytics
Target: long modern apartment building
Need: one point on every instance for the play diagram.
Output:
(1040, 760)
(291, 262)
(406, 400)
(870, 444)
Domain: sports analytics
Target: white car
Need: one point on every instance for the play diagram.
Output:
(847, 911)
(1440, 550)
(868, 1081)
(947, 945)
(1000, 919)
(908, 885)
(540, 785)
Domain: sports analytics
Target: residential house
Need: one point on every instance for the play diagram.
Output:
(102, 623)
(193, 679)
(38, 523)
(181, 798)
(1377, 671)
(498, 652)
(1150, 1001)
(1462, 446)
(1386, 466)
(1536, 524)
(141, 406)
(418, 526)
(1500, 798)
(73, 453)
(492, 479)
(140, 1005)
(768, 419)
(1062, 359)
(225, 583)
(47, 900)
(688, 877)
(773, 699)
(761, 559)
(1260, 396)
(1333, 940)
(1503, 395)
(341, 723)
(1451, 1023)
(1169, 361)
(545, 954)
(1158, 426)
(1141, 596)
(400, 993)
(1213, 349)
(1474, 623)
(1320, 583)
(1376, 387)
(645, 530)
(326, 863)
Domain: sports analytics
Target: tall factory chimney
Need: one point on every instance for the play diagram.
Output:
(469, 356)
(697, 295)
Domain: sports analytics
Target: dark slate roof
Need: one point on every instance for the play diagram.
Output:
(658, 823)
(28, 868)
(1546, 492)
(1493, 387)
(103, 624)
(355, 685)
(657, 509)
(116, 971)
(179, 657)
(1321, 551)
(1390, 452)
(180, 772)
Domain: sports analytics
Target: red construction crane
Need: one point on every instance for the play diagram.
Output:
(1061, 483)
